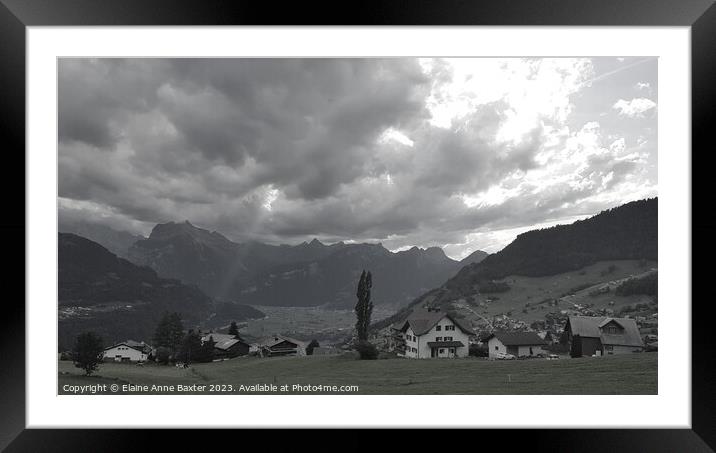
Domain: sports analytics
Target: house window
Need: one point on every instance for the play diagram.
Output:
(496, 348)
(452, 350)
(448, 338)
(449, 327)
(441, 351)
(612, 329)
(438, 328)
(438, 338)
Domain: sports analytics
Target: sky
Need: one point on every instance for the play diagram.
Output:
(462, 154)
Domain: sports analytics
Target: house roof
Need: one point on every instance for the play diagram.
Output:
(445, 344)
(590, 326)
(221, 340)
(217, 337)
(130, 343)
(421, 321)
(607, 321)
(518, 338)
(277, 339)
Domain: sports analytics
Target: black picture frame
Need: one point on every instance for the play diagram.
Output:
(17, 15)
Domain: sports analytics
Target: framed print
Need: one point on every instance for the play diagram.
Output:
(441, 217)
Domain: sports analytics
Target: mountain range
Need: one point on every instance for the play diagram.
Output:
(308, 274)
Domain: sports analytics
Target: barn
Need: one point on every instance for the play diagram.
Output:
(600, 335)
(226, 346)
(279, 345)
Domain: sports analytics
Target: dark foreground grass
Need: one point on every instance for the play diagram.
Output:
(625, 374)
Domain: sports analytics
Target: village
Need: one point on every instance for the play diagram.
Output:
(430, 333)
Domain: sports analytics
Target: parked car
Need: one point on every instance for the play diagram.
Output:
(553, 357)
(504, 356)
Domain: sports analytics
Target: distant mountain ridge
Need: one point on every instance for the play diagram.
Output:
(629, 231)
(626, 232)
(117, 299)
(117, 242)
(308, 274)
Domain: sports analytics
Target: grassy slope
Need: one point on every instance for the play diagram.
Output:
(531, 290)
(628, 374)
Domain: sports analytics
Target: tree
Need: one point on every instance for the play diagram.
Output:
(190, 348)
(364, 306)
(313, 344)
(367, 350)
(162, 355)
(88, 352)
(207, 350)
(169, 333)
(234, 330)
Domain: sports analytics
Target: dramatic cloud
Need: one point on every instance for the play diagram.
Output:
(459, 153)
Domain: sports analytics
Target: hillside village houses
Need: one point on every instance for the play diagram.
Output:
(432, 333)
(226, 346)
(600, 335)
(127, 351)
(519, 344)
(278, 345)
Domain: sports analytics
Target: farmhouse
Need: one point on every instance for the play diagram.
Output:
(519, 344)
(431, 333)
(226, 346)
(127, 351)
(278, 345)
(599, 335)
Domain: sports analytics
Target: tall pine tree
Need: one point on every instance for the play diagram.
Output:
(169, 333)
(364, 306)
(234, 330)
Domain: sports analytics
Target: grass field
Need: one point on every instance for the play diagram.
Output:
(625, 374)
(526, 296)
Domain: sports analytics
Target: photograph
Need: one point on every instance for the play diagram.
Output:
(357, 226)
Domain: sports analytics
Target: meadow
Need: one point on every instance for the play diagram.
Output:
(623, 374)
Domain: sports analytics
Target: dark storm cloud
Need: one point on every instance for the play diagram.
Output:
(284, 149)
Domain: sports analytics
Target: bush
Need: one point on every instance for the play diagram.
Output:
(476, 350)
(648, 285)
(163, 355)
(366, 350)
(88, 352)
(609, 270)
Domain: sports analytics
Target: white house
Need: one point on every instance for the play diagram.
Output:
(519, 344)
(431, 333)
(127, 351)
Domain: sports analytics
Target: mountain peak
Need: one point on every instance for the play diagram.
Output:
(170, 230)
(474, 257)
(436, 252)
